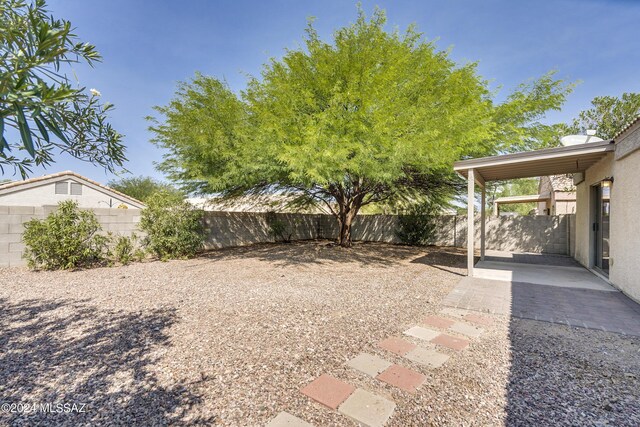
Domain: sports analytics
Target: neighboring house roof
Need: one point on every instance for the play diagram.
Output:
(14, 186)
(627, 127)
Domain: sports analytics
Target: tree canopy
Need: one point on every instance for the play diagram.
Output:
(143, 187)
(37, 99)
(608, 115)
(373, 117)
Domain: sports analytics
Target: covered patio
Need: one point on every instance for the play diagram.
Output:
(573, 159)
(547, 287)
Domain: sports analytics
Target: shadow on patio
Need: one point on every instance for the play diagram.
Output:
(71, 352)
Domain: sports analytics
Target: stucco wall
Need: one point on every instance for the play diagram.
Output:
(584, 210)
(118, 221)
(625, 224)
(45, 194)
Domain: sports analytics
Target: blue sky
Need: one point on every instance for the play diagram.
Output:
(150, 45)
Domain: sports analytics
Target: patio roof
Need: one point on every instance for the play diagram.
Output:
(550, 161)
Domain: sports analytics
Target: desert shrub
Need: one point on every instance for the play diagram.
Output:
(417, 225)
(67, 238)
(278, 229)
(173, 226)
(126, 249)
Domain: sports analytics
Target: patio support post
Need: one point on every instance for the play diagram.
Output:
(470, 224)
(482, 223)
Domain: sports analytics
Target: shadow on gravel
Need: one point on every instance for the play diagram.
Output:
(71, 352)
(565, 376)
(318, 252)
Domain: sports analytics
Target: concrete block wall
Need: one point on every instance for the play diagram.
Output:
(12, 218)
(547, 234)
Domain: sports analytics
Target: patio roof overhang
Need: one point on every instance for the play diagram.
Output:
(550, 161)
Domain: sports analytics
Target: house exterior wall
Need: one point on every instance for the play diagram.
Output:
(584, 214)
(45, 194)
(624, 239)
(625, 218)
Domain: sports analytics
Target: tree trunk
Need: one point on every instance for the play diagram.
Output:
(345, 220)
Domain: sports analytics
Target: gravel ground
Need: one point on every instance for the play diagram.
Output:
(231, 337)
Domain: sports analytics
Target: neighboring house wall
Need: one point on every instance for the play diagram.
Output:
(122, 222)
(45, 194)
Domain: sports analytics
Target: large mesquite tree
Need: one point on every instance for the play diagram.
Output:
(373, 117)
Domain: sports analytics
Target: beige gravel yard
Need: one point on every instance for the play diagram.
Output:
(230, 338)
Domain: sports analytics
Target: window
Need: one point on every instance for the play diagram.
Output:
(76, 189)
(62, 188)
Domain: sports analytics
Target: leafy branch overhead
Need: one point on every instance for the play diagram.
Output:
(374, 117)
(47, 114)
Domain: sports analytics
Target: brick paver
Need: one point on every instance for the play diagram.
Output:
(438, 322)
(396, 345)
(422, 333)
(285, 419)
(367, 408)
(403, 378)
(329, 391)
(369, 364)
(451, 342)
(427, 356)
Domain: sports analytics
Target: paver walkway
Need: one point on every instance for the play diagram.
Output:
(587, 308)
(370, 409)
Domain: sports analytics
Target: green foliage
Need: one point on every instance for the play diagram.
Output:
(173, 226)
(372, 118)
(38, 100)
(126, 251)
(609, 115)
(514, 187)
(141, 187)
(278, 228)
(418, 224)
(66, 239)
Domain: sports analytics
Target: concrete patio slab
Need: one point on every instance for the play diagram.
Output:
(329, 391)
(369, 364)
(367, 408)
(427, 356)
(586, 308)
(285, 419)
(422, 333)
(551, 275)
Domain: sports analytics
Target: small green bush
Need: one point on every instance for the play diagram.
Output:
(65, 239)
(173, 226)
(417, 226)
(125, 250)
(278, 228)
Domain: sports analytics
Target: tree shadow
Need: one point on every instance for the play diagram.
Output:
(319, 252)
(72, 352)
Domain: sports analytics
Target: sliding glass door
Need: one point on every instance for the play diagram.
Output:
(602, 209)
